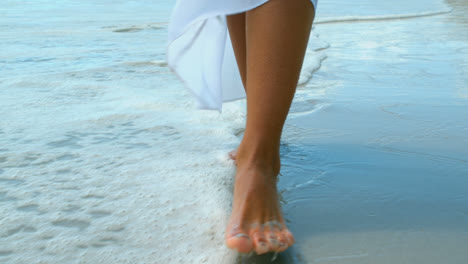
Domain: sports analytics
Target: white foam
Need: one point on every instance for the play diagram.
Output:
(345, 19)
(138, 192)
(312, 63)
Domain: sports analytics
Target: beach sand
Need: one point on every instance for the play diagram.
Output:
(378, 173)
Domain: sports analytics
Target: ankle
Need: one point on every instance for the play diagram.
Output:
(264, 157)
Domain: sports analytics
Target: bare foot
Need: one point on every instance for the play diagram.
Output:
(256, 222)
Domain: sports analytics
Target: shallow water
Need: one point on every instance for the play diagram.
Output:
(103, 158)
(374, 156)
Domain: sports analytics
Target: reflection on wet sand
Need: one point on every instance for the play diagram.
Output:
(378, 173)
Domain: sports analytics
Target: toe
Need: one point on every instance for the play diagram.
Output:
(240, 242)
(289, 237)
(259, 242)
(272, 239)
(283, 241)
(232, 154)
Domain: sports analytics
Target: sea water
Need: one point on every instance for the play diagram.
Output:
(104, 157)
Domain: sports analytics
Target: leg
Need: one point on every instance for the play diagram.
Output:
(276, 38)
(236, 26)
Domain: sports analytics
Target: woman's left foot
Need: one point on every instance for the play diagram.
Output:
(256, 222)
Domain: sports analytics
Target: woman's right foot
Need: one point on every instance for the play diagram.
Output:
(232, 154)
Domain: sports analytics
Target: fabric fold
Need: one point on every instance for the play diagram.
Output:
(200, 53)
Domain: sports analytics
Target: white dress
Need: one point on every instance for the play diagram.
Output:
(199, 49)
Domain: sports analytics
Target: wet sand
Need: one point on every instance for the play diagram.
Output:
(375, 170)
